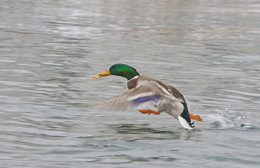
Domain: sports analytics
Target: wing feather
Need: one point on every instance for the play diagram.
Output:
(142, 97)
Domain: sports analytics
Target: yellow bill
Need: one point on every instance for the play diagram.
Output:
(105, 73)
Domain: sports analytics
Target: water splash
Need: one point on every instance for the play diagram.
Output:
(228, 119)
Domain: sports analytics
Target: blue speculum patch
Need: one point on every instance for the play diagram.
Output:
(146, 98)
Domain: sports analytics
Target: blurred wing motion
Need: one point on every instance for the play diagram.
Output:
(142, 97)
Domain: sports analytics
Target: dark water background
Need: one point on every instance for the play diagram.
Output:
(209, 50)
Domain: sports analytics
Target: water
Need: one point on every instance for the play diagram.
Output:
(209, 50)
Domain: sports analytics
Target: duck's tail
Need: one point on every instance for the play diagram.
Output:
(184, 118)
(185, 124)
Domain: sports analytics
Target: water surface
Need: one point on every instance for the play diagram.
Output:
(209, 50)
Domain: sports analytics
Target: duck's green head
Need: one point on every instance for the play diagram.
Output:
(119, 70)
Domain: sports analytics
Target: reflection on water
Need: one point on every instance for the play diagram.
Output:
(145, 132)
(209, 50)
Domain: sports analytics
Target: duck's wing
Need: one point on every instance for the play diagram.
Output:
(148, 96)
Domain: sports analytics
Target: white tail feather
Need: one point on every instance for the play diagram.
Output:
(184, 123)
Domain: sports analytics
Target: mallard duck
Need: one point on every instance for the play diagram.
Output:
(149, 96)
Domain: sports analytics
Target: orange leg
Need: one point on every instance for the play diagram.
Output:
(149, 112)
(195, 117)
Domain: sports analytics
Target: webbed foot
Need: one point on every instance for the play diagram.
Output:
(149, 112)
(195, 117)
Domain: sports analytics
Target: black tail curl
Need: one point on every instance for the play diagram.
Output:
(185, 114)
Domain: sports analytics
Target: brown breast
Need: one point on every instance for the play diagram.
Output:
(132, 83)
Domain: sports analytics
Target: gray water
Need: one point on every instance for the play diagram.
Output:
(209, 50)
